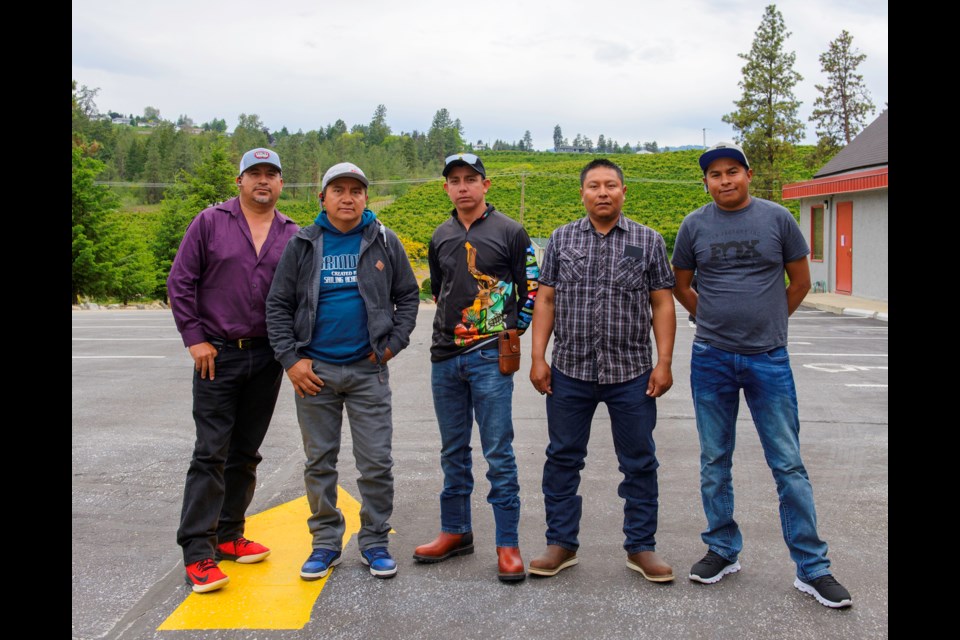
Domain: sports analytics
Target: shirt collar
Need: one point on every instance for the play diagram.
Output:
(584, 223)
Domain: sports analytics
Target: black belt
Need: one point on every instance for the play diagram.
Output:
(239, 343)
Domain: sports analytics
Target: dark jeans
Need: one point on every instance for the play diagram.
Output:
(633, 415)
(232, 413)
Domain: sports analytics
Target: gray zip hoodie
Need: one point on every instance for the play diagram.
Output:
(384, 276)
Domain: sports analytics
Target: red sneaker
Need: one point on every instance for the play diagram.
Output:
(242, 550)
(205, 576)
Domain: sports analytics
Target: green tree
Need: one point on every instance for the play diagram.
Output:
(841, 110)
(557, 137)
(93, 239)
(151, 114)
(527, 140)
(766, 116)
(250, 133)
(135, 269)
(445, 136)
(378, 130)
(213, 180)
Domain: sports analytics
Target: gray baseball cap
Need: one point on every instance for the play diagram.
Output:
(723, 150)
(343, 170)
(259, 156)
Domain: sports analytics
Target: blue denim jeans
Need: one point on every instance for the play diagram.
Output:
(633, 416)
(716, 378)
(464, 386)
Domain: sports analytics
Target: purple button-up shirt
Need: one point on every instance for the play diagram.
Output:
(218, 284)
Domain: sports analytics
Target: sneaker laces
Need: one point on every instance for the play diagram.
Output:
(241, 542)
(377, 553)
(206, 565)
(826, 581)
(713, 559)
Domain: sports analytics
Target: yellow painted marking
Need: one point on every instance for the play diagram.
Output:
(268, 594)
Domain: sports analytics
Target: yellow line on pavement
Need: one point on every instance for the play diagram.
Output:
(267, 594)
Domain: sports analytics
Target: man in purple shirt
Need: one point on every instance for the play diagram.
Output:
(218, 286)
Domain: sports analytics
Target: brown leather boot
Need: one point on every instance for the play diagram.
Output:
(553, 561)
(446, 545)
(510, 564)
(650, 566)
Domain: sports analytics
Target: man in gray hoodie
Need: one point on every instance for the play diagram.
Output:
(343, 302)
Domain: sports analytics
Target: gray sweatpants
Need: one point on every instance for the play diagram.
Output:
(364, 387)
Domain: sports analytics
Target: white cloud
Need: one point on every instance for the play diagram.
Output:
(633, 71)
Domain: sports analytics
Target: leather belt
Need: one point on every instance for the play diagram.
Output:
(239, 343)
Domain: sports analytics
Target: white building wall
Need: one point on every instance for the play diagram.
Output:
(870, 242)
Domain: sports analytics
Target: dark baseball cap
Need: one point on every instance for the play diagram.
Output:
(464, 160)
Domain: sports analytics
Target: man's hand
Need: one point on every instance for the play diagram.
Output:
(387, 355)
(540, 377)
(304, 380)
(204, 354)
(660, 380)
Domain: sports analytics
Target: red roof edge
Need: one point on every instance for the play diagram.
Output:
(846, 183)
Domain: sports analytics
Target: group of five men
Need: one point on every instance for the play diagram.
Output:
(331, 304)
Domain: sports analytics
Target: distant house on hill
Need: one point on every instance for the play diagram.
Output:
(844, 217)
(568, 148)
(121, 120)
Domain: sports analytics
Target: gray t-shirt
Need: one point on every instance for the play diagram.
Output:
(739, 259)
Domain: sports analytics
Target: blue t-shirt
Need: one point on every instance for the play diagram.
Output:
(739, 257)
(340, 334)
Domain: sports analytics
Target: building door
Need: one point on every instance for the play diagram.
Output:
(844, 248)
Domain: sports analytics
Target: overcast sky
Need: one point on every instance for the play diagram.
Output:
(634, 71)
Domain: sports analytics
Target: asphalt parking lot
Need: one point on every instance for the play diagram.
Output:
(132, 437)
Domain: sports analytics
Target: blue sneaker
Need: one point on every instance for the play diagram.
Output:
(381, 564)
(319, 563)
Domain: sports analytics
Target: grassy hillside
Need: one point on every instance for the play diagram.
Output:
(661, 189)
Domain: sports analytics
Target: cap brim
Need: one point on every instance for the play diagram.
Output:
(350, 174)
(715, 154)
(260, 163)
(459, 162)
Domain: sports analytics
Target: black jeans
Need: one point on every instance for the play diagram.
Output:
(232, 413)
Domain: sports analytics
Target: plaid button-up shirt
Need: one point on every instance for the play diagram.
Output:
(602, 286)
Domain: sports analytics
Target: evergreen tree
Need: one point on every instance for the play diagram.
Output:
(557, 137)
(378, 129)
(445, 136)
(840, 112)
(93, 240)
(527, 140)
(249, 134)
(766, 116)
(213, 180)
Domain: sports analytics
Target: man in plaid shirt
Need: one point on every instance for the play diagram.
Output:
(604, 282)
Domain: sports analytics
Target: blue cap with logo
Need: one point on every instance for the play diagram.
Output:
(723, 150)
(259, 156)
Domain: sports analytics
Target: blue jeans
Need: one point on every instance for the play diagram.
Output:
(464, 386)
(633, 416)
(716, 377)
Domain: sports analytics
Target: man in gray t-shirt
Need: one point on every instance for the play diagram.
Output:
(740, 247)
